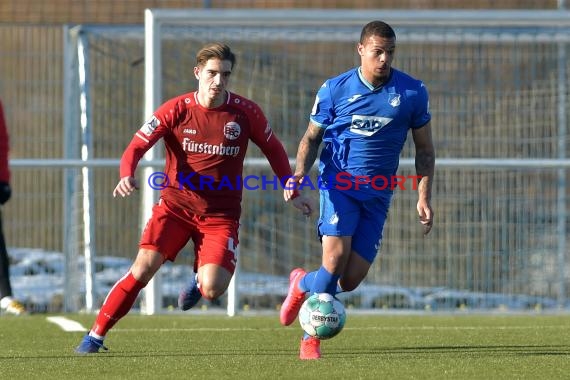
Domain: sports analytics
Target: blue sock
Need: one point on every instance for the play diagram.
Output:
(324, 282)
(193, 284)
(307, 282)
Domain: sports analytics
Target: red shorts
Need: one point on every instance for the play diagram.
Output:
(169, 229)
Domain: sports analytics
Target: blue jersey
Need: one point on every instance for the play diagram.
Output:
(366, 127)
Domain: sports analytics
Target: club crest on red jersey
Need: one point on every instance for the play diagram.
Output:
(232, 130)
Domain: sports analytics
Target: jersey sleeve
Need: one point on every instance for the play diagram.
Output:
(264, 137)
(322, 113)
(147, 135)
(421, 115)
(4, 147)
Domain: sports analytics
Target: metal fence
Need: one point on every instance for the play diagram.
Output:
(498, 85)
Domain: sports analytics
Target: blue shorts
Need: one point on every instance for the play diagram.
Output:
(344, 215)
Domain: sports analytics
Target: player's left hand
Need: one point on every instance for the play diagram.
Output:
(426, 215)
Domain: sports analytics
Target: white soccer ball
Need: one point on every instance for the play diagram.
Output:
(322, 316)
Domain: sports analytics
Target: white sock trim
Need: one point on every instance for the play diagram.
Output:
(91, 333)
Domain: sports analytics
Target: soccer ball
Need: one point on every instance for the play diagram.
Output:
(322, 316)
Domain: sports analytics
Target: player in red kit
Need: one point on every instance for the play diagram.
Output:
(206, 134)
(8, 304)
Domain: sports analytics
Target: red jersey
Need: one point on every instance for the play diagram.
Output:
(205, 149)
(4, 169)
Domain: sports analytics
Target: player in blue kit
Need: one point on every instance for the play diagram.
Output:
(362, 117)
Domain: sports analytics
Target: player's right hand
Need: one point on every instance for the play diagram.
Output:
(291, 189)
(126, 186)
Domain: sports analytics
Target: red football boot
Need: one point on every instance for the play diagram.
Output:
(295, 298)
(310, 349)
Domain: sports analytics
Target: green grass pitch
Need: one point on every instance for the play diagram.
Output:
(380, 346)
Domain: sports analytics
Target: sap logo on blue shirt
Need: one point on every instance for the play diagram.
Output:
(368, 125)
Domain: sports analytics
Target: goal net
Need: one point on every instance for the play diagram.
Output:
(500, 128)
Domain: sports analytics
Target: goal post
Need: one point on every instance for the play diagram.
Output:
(152, 99)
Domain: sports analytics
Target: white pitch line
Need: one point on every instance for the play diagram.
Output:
(367, 328)
(66, 324)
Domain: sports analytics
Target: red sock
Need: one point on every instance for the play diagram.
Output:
(117, 304)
